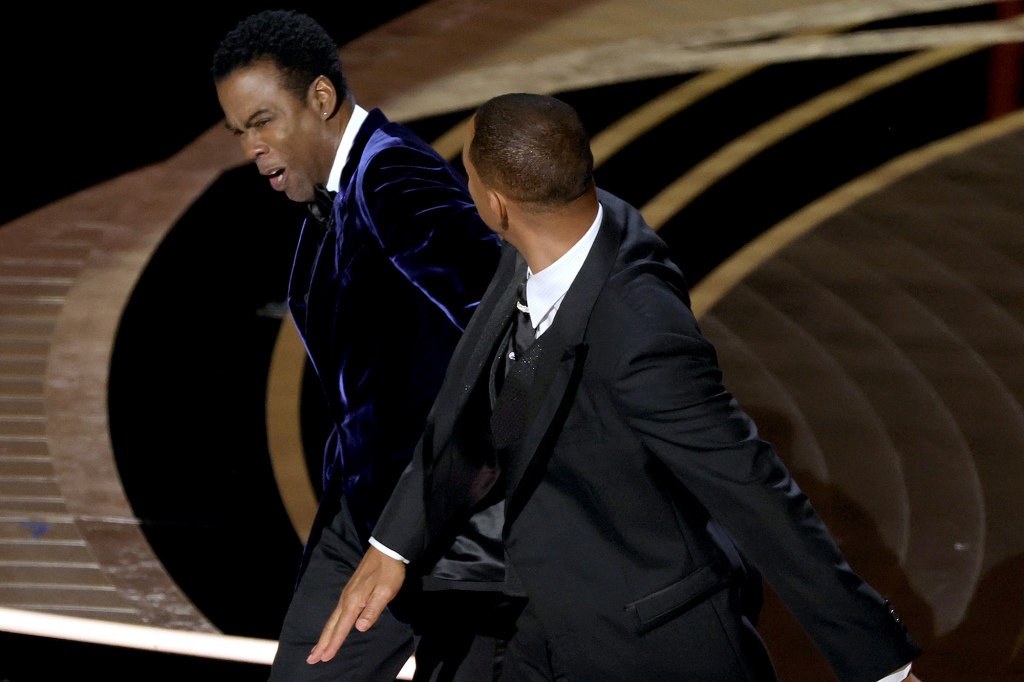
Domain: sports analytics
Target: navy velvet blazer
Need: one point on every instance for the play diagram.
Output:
(638, 494)
(380, 301)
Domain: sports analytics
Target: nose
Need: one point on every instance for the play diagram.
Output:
(253, 146)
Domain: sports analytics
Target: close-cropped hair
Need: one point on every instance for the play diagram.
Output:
(532, 147)
(296, 43)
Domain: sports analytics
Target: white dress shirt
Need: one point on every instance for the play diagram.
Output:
(355, 122)
(546, 289)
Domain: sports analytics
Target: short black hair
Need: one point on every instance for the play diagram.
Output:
(300, 47)
(533, 147)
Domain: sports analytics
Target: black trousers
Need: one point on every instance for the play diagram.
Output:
(445, 640)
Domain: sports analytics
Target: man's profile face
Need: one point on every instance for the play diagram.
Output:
(282, 134)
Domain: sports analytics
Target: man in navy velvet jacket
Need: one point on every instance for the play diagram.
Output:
(387, 272)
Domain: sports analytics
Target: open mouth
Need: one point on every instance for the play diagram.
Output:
(276, 178)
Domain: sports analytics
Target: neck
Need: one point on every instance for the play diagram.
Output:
(335, 130)
(543, 236)
(343, 114)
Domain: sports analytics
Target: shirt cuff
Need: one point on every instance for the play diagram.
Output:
(395, 555)
(897, 676)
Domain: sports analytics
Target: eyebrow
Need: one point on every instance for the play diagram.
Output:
(248, 121)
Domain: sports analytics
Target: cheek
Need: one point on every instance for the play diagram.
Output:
(478, 196)
(291, 138)
(489, 219)
(481, 206)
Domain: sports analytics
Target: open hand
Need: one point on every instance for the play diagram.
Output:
(374, 584)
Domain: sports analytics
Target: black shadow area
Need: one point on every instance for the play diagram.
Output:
(187, 403)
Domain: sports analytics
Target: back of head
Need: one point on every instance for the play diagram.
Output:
(533, 148)
(300, 47)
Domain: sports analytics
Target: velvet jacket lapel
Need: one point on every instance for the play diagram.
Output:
(313, 243)
(375, 118)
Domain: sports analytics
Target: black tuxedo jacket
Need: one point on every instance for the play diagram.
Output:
(639, 492)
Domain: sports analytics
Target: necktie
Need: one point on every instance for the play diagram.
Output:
(322, 204)
(509, 395)
(524, 332)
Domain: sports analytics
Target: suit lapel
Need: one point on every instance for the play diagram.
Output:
(302, 269)
(314, 242)
(471, 360)
(559, 369)
(375, 118)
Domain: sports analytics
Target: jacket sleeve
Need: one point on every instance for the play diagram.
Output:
(672, 395)
(423, 217)
(402, 526)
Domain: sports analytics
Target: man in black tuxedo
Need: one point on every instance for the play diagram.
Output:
(641, 508)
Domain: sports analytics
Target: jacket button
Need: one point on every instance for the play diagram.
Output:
(894, 614)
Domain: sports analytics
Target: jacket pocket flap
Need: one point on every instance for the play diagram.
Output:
(665, 604)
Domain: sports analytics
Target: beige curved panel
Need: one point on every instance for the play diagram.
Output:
(685, 51)
(284, 429)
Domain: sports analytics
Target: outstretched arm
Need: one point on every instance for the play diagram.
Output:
(670, 389)
(371, 588)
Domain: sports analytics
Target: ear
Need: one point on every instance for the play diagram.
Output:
(323, 98)
(498, 206)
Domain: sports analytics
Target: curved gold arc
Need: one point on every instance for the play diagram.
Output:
(612, 139)
(284, 429)
(722, 279)
(687, 187)
(449, 144)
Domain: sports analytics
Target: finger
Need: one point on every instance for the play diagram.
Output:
(367, 618)
(375, 605)
(333, 635)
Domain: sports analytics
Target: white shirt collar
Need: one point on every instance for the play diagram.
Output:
(546, 289)
(355, 122)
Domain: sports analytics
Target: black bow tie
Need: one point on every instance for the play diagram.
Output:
(322, 205)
